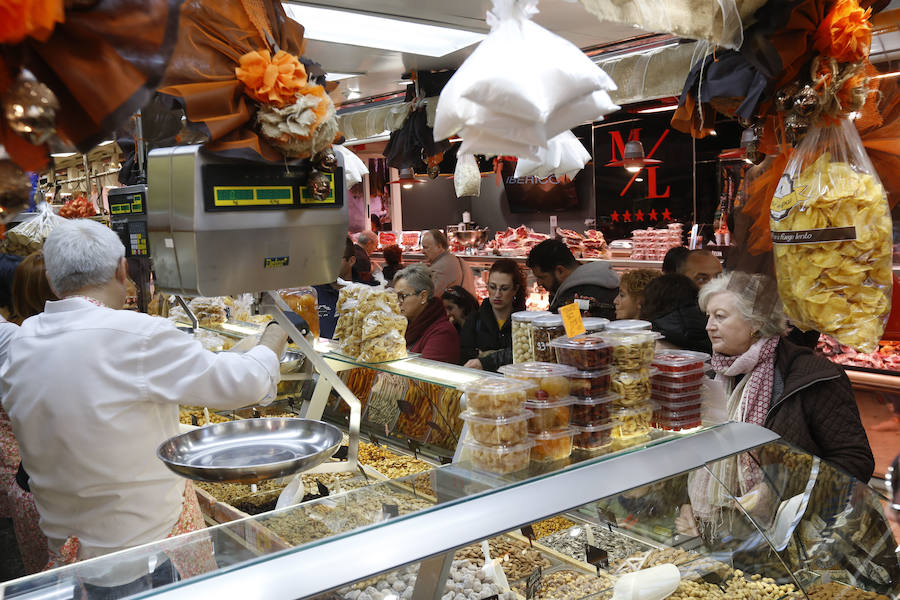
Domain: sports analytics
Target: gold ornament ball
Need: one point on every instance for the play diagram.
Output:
(326, 161)
(319, 185)
(15, 187)
(30, 109)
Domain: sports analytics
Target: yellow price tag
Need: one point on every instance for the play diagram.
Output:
(571, 316)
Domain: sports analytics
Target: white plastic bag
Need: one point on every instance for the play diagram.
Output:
(354, 167)
(466, 177)
(564, 156)
(29, 236)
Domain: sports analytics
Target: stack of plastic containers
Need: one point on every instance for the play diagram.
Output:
(523, 334)
(545, 330)
(551, 405)
(589, 385)
(631, 354)
(677, 389)
(498, 422)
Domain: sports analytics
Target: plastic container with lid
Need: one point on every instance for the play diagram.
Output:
(594, 324)
(666, 385)
(584, 353)
(592, 411)
(679, 361)
(552, 445)
(680, 378)
(590, 384)
(496, 396)
(632, 350)
(498, 431)
(663, 419)
(546, 329)
(593, 437)
(549, 415)
(632, 422)
(550, 379)
(522, 334)
(685, 402)
(629, 325)
(499, 459)
(675, 409)
(633, 387)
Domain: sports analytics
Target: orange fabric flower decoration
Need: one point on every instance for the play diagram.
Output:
(22, 18)
(276, 80)
(845, 34)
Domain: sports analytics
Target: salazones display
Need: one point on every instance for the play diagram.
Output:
(370, 327)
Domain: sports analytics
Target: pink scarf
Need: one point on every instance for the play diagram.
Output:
(759, 362)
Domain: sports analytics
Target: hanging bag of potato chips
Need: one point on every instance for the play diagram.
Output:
(831, 232)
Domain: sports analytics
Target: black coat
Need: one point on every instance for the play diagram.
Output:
(816, 410)
(684, 327)
(481, 334)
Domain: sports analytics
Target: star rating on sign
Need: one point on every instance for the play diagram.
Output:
(652, 214)
(666, 215)
(626, 216)
(614, 216)
(639, 215)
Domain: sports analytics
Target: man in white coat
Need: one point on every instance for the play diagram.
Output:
(92, 391)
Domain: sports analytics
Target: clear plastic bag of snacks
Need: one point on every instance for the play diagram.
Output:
(831, 232)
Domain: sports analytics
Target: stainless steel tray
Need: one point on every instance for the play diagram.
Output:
(250, 450)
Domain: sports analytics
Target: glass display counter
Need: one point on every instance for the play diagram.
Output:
(734, 511)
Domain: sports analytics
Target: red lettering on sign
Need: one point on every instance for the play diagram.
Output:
(619, 144)
(652, 192)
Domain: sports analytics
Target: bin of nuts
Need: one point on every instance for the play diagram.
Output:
(633, 387)
(630, 350)
(590, 384)
(546, 329)
(550, 414)
(552, 445)
(499, 459)
(551, 380)
(592, 411)
(593, 437)
(496, 396)
(497, 431)
(632, 422)
(583, 353)
(522, 334)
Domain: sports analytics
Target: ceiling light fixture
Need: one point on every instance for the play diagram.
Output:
(408, 178)
(63, 154)
(106, 142)
(657, 109)
(633, 158)
(370, 31)
(329, 76)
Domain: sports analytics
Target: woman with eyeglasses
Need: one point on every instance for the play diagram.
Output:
(429, 332)
(486, 341)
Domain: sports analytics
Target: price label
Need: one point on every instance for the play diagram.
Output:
(341, 453)
(528, 531)
(374, 439)
(533, 585)
(607, 515)
(413, 446)
(322, 488)
(492, 597)
(598, 557)
(406, 408)
(571, 315)
(390, 510)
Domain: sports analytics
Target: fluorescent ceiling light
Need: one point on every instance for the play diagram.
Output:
(368, 31)
(329, 76)
(106, 143)
(63, 154)
(658, 109)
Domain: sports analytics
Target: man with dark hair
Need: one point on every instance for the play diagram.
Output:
(674, 259)
(594, 285)
(327, 294)
(447, 269)
(700, 266)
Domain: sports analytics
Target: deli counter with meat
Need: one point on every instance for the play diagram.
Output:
(665, 519)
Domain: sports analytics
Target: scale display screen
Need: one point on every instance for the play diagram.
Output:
(128, 204)
(241, 187)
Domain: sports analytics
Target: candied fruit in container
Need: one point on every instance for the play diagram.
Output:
(592, 411)
(544, 330)
(496, 396)
(679, 361)
(498, 431)
(549, 415)
(632, 422)
(628, 325)
(676, 421)
(668, 387)
(552, 445)
(499, 459)
(683, 378)
(551, 380)
(583, 353)
(592, 437)
(633, 387)
(631, 350)
(590, 384)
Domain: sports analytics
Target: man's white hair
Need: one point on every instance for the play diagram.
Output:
(81, 253)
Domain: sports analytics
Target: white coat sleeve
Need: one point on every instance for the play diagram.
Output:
(178, 369)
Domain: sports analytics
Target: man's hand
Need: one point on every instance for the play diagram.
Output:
(685, 523)
(274, 338)
(473, 364)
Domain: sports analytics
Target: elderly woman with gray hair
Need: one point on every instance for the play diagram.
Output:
(430, 331)
(799, 395)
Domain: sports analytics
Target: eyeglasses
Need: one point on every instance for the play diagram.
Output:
(402, 297)
(503, 289)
